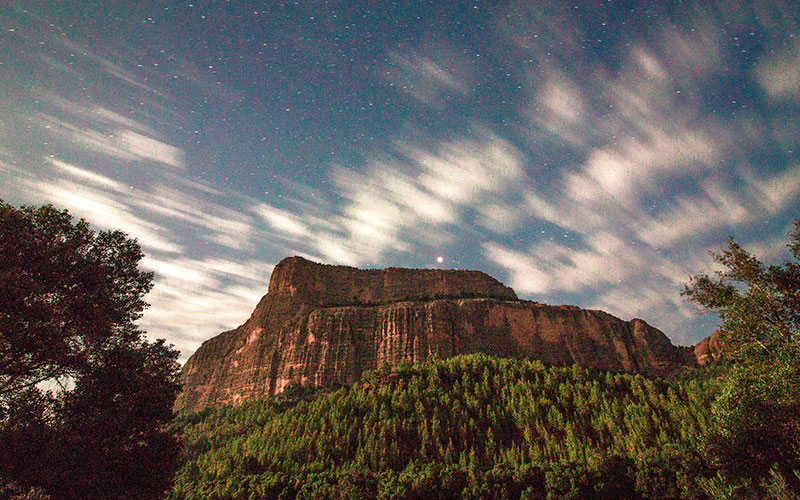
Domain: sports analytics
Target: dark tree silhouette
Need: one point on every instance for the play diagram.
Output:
(84, 398)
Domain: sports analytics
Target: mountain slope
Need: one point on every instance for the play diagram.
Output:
(322, 326)
(467, 427)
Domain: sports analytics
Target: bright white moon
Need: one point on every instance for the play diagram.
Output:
(439, 259)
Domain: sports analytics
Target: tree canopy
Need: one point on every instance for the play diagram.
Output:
(757, 431)
(84, 397)
(469, 427)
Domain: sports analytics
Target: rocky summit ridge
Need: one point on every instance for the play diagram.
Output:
(322, 326)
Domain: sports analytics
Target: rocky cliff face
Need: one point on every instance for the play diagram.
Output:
(322, 326)
(709, 349)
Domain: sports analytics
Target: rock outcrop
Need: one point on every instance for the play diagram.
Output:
(322, 326)
(709, 349)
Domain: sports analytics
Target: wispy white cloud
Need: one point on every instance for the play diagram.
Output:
(523, 272)
(119, 143)
(500, 217)
(195, 299)
(405, 199)
(423, 192)
(652, 183)
(282, 221)
(771, 249)
(429, 79)
(101, 143)
(552, 266)
(693, 51)
(777, 191)
(115, 68)
(151, 149)
(83, 174)
(694, 216)
(91, 114)
(105, 209)
(466, 171)
(180, 227)
(560, 109)
(780, 75)
(758, 196)
(639, 166)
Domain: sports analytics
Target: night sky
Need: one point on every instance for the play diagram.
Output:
(589, 153)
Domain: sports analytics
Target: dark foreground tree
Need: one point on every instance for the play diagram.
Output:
(758, 412)
(84, 398)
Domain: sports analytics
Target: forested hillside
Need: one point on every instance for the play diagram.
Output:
(466, 427)
(479, 427)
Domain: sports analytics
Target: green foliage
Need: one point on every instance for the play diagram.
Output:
(84, 398)
(756, 437)
(467, 427)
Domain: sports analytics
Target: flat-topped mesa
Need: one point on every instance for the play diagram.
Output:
(329, 286)
(322, 326)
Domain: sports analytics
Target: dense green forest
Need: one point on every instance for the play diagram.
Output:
(472, 426)
(481, 427)
(467, 427)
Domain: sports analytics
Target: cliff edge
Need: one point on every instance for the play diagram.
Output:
(322, 326)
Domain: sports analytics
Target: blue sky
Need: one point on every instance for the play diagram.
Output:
(589, 153)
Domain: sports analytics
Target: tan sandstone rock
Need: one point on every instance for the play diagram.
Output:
(322, 326)
(709, 349)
